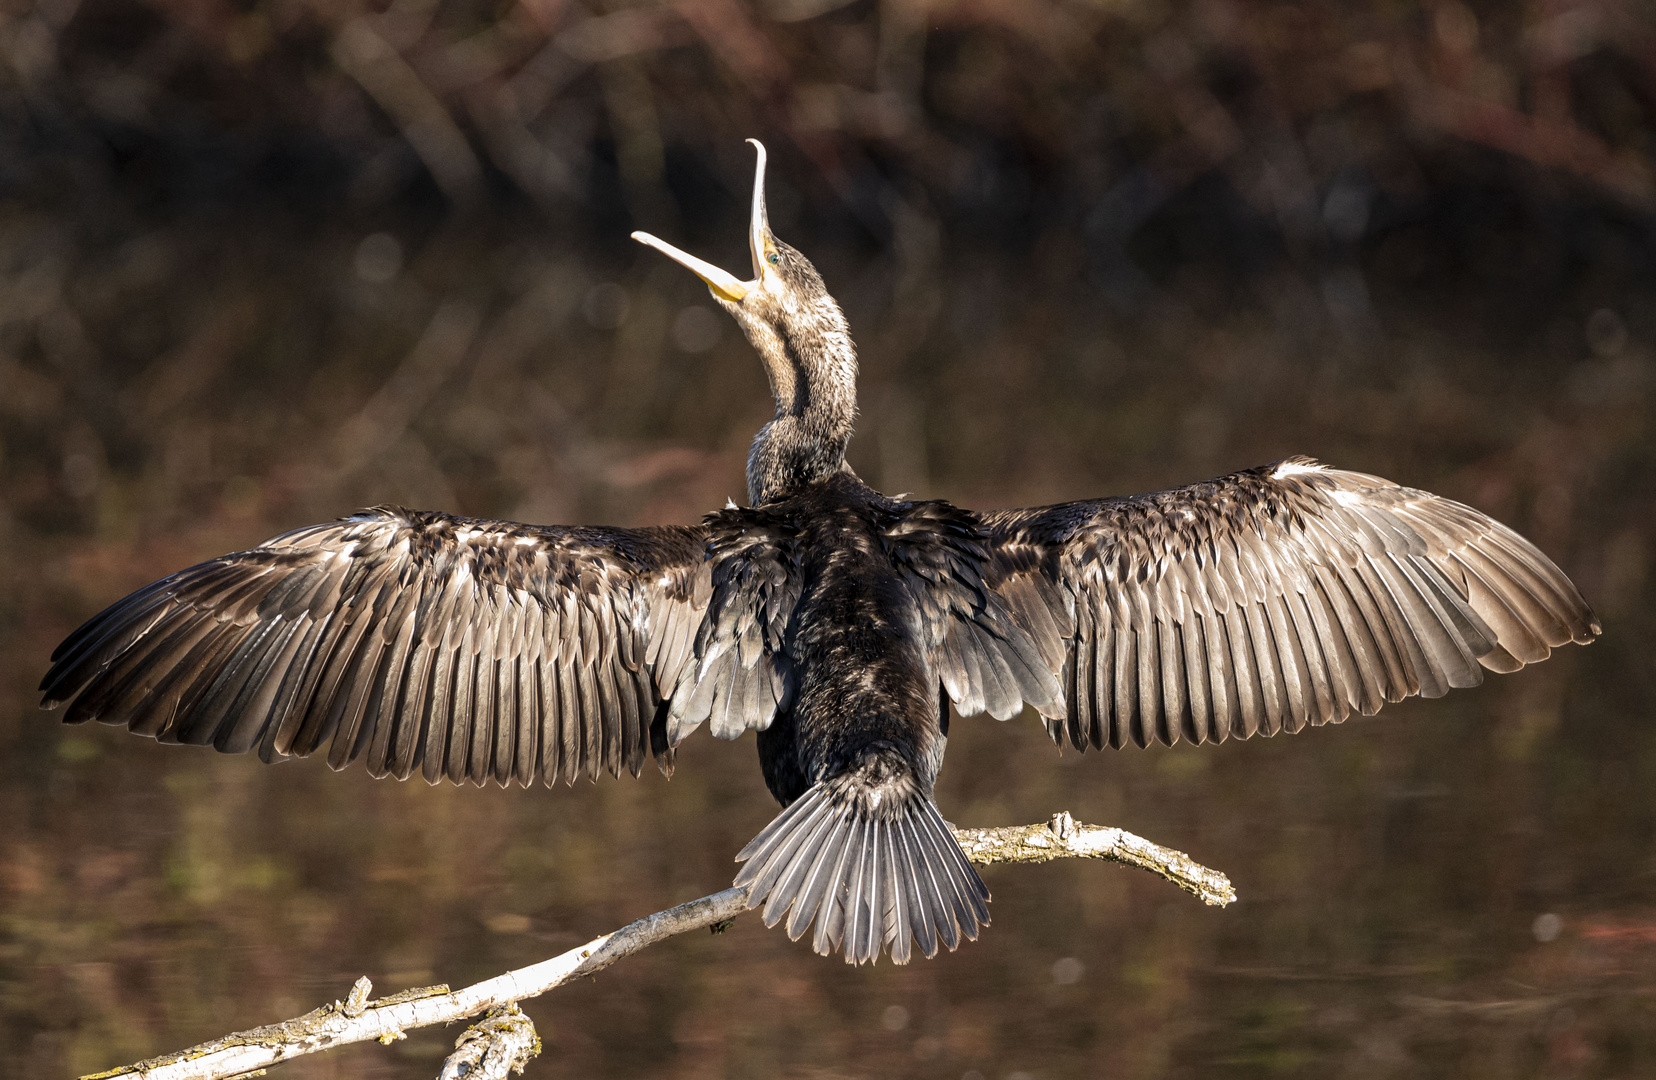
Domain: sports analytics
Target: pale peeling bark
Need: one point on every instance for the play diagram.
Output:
(506, 1040)
(1063, 838)
(501, 1043)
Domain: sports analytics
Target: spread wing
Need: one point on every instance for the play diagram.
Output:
(1273, 599)
(986, 659)
(467, 649)
(741, 675)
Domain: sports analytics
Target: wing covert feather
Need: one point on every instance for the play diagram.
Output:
(992, 651)
(735, 673)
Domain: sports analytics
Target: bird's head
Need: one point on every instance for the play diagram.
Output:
(786, 312)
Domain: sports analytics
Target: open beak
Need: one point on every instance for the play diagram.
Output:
(725, 285)
(758, 221)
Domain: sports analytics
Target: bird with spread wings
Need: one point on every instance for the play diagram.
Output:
(837, 623)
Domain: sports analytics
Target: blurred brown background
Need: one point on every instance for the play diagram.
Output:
(265, 261)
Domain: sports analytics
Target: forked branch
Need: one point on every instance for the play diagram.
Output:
(505, 1038)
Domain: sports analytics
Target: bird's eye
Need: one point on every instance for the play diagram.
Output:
(774, 259)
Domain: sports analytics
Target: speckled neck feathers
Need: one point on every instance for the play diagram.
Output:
(801, 335)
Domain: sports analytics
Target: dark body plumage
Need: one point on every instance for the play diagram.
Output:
(837, 623)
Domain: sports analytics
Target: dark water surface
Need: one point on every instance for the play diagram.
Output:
(1464, 887)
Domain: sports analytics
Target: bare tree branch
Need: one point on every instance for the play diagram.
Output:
(506, 1040)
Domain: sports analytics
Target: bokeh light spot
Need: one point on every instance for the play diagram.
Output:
(379, 258)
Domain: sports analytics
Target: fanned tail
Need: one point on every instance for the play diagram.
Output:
(862, 875)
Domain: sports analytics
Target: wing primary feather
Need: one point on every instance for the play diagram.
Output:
(1473, 636)
(254, 708)
(322, 716)
(1077, 693)
(409, 744)
(1535, 575)
(507, 718)
(1340, 682)
(216, 687)
(1221, 676)
(119, 695)
(1319, 703)
(463, 717)
(440, 716)
(1370, 669)
(526, 723)
(570, 724)
(1199, 706)
(288, 708)
(1250, 702)
(1392, 679)
(107, 639)
(1452, 635)
(1400, 608)
(1292, 669)
(385, 709)
(1101, 669)
(1512, 631)
(551, 736)
(362, 679)
(183, 687)
(1267, 681)
(109, 633)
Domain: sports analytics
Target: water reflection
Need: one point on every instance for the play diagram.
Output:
(1460, 887)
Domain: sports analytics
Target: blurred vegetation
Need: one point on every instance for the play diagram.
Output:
(264, 262)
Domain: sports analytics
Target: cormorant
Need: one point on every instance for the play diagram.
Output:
(836, 622)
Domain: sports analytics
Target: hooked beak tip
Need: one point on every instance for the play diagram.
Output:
(759, 222)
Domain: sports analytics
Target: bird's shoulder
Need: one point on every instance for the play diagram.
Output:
(842, 511)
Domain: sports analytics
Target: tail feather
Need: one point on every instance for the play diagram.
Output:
(778, 832)
(817, 879)
(791, 874)
(944, 846)
(939, 886)
(794, 847)
(922, 925)
(863, 877)
(830, 919)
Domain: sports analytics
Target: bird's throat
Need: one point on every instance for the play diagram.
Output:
(814, 381)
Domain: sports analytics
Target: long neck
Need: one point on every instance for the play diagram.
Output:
(813, 372)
